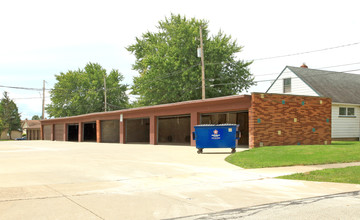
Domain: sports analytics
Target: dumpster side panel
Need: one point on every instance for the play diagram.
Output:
(215, 136)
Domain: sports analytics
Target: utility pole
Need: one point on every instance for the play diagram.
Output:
(105, 90)
(202, 66)
(43, 102)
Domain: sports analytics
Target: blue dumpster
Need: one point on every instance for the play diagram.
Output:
(216, 136)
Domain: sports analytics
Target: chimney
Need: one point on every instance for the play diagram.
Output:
(304, 66)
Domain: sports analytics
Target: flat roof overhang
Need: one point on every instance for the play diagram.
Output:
(221, 104)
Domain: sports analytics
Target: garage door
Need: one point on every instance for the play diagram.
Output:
(174, 130)
(59, 132)
(47, 132)
(110, 131)
(137, 130)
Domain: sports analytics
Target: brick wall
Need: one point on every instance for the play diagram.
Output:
(278, 119)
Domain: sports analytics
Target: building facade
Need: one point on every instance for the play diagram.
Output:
(32, 129)
(264, 119)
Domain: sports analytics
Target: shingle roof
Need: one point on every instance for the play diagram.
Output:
(340, 87)
(32, 124)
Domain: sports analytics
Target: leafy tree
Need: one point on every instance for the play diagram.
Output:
(82, 91)
(9, 115)
(170, 70)
(1, 124)
(35, 117)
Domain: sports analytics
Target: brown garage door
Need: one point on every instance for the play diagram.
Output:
(174, 130)
(47, 132)
(137, 130)
(110, 131)
(59, 132)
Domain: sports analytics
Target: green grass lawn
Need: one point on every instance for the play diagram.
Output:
(339, 175)
(337, 152)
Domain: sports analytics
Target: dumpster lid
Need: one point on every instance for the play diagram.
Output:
(204, 125)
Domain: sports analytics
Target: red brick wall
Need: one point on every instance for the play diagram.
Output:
(271, 120)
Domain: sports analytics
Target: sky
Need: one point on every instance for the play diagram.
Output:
(39, 39)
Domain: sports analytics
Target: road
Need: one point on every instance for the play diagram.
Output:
(336, 206)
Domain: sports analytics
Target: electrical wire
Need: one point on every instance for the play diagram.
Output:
(31, 98)
(338, 65)
(24, 88)
(256, 81)
(306, 52)
(271, 80)
(222, 63)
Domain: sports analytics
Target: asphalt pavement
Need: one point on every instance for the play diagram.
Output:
(335, 206)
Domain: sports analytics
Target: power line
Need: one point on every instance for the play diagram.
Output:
(296, 54)
(256, 81)
(338, 65)
(31, 98)
(36, 89)
(258, 59)
(352, 70)
(222, 63)
(306, 52)
(269, 80)
(24, 88)
(318, 68)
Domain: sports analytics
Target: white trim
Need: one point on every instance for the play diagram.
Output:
(337, 103)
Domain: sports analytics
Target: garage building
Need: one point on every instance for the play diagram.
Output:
(264, 119)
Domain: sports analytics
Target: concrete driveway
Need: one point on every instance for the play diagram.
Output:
(63, 180)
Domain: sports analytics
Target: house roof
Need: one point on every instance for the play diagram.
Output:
(31, 124)
(339, 86)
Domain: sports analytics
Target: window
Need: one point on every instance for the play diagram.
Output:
(344, 111)
(351, 111)
(287, 85)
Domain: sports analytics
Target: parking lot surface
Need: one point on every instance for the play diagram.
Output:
(65, 180)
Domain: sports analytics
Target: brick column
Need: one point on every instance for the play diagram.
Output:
(98, 131)
(80, 138)
(122, 131)
(251, 129)
(195, 120)
(65, 132)
(42, 132)
(53, 132)
(153, 130)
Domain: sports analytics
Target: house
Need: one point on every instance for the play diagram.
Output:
(4, 135)
(264, 119)
(342, 88)
(32, 129)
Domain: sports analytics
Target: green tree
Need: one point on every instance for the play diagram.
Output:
(82, 91)
(1, 124)
(9, 115)
(170, 71)
(35, 117)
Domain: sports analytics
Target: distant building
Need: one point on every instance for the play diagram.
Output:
(6, 136)
(32, 129)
